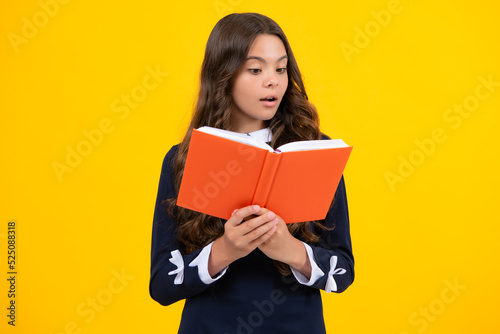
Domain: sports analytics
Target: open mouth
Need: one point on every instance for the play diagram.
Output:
(270, 99)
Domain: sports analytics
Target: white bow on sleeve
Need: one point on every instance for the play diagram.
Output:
(179, 262)
(331, 285)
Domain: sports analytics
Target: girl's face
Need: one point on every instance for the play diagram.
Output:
(260, 84)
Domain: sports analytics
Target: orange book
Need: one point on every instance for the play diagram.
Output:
(226, 170)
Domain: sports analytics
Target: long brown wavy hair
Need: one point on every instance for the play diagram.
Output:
(296, 119)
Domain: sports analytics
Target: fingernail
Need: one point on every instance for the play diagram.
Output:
(256, 207)
(271, 215)
(234, 212)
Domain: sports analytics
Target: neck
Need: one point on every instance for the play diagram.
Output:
(249, 127)
(244, 124)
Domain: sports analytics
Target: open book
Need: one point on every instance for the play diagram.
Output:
(227, 170)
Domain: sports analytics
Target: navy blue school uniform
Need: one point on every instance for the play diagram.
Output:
(250, 295)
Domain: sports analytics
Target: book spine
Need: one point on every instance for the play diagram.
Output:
(266, 178)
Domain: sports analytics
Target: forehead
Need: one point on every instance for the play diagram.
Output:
(268, 47)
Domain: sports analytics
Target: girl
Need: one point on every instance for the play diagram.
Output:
(252, 273)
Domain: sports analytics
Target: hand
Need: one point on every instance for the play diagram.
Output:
(244, 231)
(284, 247)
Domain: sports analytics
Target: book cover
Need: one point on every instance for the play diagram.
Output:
(225, 171)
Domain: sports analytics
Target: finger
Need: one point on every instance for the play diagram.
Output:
(266, 236)
(261, 230)
(239, 214)
(262, 211)
(249, 217)
(250, 225)
(258, 213)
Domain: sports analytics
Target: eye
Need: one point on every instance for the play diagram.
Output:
(254, 70)
(282, 70)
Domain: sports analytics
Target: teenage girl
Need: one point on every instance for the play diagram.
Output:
(252, 273)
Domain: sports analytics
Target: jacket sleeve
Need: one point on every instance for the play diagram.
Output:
(174, 275)
(331, 258)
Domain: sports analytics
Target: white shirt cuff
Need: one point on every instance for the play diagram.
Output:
(202, 262)
(316, 272)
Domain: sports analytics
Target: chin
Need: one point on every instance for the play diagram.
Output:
(269, 116)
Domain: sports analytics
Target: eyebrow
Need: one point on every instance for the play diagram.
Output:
(262, 59)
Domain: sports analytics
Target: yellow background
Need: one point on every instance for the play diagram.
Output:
(412, 238)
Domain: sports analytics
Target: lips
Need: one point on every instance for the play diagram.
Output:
(269, 101)
(269, 98)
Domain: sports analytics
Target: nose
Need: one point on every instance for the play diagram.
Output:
(271, 81)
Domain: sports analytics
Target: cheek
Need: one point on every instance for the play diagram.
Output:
(284, 85)
(243, 89)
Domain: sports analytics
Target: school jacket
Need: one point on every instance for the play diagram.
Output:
(250, 296)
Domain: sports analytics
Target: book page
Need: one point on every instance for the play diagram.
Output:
(236, 136)
(308, 145)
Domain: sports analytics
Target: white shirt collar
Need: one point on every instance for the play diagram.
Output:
(263, 134)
